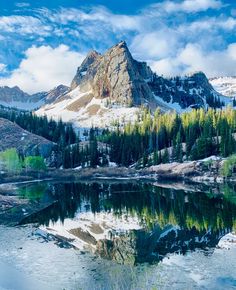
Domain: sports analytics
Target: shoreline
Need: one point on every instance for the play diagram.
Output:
(187, 172)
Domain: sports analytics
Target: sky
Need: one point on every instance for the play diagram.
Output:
(42, 42)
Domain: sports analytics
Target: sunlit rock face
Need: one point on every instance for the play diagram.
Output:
(123, 80)
(116, 76)
(114, 87)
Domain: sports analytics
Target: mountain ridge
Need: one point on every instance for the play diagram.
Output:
(113, 86)
(225, 85)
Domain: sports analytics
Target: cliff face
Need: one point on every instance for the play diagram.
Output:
(116, 76)
(125, 81)
(55, 93)
(112, 87)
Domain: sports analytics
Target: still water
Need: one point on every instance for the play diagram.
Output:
(121, 236)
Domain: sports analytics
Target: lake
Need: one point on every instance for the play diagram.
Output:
(128, 235)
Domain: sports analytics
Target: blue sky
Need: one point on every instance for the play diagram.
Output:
(43, 42)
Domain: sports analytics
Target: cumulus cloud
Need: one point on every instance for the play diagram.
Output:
(193, 58)
(175, 37)
(43, 68)
(154, 44)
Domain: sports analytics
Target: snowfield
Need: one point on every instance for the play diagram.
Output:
(225, 85)
(94, 113)
(25, 106)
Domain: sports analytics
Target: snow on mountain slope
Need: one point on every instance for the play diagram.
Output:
(84, 110)
(15, 97)
(225, 85)
(114, 86)
(26, 106)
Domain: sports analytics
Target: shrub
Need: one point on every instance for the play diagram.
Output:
(229, 166)
(35, 163)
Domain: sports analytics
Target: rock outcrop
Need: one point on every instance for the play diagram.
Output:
(13, 136)
(55, 93)
(123, 80)
(116, 76)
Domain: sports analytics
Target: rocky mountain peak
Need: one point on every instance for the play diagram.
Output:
(199, 77)
(112, 86)
(8, 94)
(91, 57)
(55, 93)
(115, 76)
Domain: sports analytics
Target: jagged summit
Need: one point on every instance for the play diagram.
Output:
(114, 75)
(55, 93)
(112, 86)
(90, 59)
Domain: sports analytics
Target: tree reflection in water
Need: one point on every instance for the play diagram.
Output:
(171, 220)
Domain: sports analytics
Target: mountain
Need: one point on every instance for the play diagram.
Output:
(55, 93)
(15, 97)
(113, 86)
(225, 85)
(190, 91)
(115, 76)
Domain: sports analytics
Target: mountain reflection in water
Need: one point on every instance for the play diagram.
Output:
(168, 220)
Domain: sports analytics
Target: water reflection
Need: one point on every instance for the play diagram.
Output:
(170, 220)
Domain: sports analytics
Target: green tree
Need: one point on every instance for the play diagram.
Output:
(11, 160)
(35, 163)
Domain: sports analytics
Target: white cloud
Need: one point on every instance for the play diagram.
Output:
(193, 58)
(189, 5)
(96, 15)
(169, 34)
(43, 68)
(23, 25)
(154, 44)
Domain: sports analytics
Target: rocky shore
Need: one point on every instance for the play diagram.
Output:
(206, 170)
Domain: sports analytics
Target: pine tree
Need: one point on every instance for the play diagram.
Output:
(165, 157)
